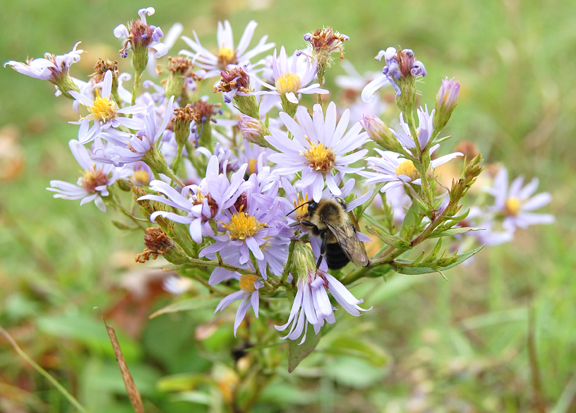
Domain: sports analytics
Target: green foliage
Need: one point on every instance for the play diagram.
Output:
(459, 344)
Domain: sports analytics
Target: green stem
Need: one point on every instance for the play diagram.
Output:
(137, 77)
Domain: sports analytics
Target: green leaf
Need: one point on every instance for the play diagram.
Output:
(195, 303)
(454, 231)
(405, 268)
(388, 239)
(297, 353)
(411, 222)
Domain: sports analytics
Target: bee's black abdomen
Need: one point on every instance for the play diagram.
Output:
(335, 257)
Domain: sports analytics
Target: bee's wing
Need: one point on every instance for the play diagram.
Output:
(349, 242)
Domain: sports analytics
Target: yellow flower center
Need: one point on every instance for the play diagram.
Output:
(319, 157)
(242, 226)
(303, 210)
(226, 56)
(92, 179)
(512, 206)
(288, 82)
(103, 110)
(252, 165)
(407, 168)
(141, 177)
(247, 282)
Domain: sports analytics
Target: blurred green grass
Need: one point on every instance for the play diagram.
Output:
(450, 341)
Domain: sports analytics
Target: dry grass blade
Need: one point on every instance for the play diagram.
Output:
(131, 388)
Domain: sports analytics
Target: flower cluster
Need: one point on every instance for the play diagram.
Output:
(261, 193)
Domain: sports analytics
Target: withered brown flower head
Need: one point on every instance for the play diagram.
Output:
(203, 111)
(234, 79)
(100, 69)
(326, 41)
(157, 243)
(182, 66)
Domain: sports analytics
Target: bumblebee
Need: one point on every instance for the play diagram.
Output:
(328, 220)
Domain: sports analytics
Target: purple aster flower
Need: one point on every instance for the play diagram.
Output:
(104, 112)
(424, 131)
(94, 182)
(249, 286)
(141, 35)
(257, 227)
(390, 167)
(516, 202)
(320, 148)
(291, 78)
(399, 65)
(200, 203)
(227, 56)
(312, 305)
(129, 148)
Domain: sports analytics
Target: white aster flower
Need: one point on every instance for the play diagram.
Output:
(94, 182)
(249, 286)
(105, 112)
(390, 167)
(291, 77)
(320, 148)
(516, 202)
(227, 56)
(312, 305)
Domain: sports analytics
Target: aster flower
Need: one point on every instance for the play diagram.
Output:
(227, 56)
(312, 305)
(201, 202)
(129, 148)
(399, 65)
(94, 182)
(249, 286)
(320, 148)
(104, 112)
(141, 36)
(55, 69)
(255, 226)
(352, 85)
(177, 285)
(291, 78)
(390, 167)
(516, 202)
(424, 131)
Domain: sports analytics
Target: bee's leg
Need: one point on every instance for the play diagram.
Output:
(323, 248)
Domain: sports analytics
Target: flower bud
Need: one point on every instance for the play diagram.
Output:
(380, 133)
(303, 260)
(446, 101)
(253, 130)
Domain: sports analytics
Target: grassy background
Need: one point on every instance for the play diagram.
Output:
(454, 346)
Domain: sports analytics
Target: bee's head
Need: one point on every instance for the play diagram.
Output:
(312, 206)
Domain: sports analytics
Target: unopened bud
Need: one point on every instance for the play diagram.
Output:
(380, 133)
(446, 101)
(253, 130)
(303, 261)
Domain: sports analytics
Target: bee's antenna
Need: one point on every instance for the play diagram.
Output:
(300, 206)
